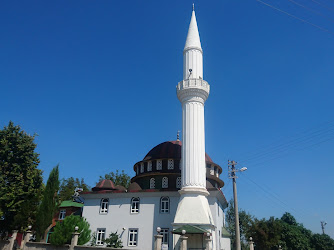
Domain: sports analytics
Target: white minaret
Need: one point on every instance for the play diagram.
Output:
(192, 91)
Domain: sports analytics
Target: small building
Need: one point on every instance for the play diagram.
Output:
(66, 208)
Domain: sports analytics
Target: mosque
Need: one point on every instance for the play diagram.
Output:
(176, 187)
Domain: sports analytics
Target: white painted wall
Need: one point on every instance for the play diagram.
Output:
(147, 220)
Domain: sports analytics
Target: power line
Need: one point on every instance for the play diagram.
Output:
(306, 137)
(312, 10)
(323, 5)
(300, 19)
(284, 141)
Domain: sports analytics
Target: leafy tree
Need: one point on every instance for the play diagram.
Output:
(49, 203)
(245, 223)
(63, 231)
(117, 178)
(67, 187)
(266, 233)
(322, 242)
(114, 241)
(20, 179)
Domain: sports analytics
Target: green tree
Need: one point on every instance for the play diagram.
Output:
(322, 242)
(20, 179)
(245, 223)
(117, 178)
(267, 233)
(67, 187)
(49, 203)
(63, 231)
(114, 240)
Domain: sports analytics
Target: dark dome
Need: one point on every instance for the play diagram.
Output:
(168, 149)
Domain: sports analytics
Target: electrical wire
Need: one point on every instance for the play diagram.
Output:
(305, 138)
(323, 5)
(308, 132)
(312, 10)
(293, 16)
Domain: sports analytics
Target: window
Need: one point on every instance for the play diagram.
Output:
(178, 182)
(149, 166)
(165, 182)
(164, 233)
(170, 164)
(104, 206)
(180, 165)
(137, 170)
(159, 164)
(133, 237)
(135, 205)
(164, 205)
(142, 167)
(212, 171)
(62, 214)
(100, 236)
(152, 183)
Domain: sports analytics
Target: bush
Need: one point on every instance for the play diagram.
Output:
(63, 231)
(114, 241)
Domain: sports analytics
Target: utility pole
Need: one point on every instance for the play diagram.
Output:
(323, 224)
(232, 170)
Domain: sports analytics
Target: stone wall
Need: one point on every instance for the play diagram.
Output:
(47, 246)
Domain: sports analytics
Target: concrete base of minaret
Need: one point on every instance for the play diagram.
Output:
(193, 207)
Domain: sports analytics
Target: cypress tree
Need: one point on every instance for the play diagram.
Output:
(20, 179)
(49, 203)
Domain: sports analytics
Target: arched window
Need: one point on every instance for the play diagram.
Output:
(104, 206)
(178, 182)
(142, 167)
(152, 183)
(164, 205)
(170, 164)
(149, 166)
(135, 205)
(165, 182)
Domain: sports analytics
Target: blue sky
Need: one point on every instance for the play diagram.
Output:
(96, 81)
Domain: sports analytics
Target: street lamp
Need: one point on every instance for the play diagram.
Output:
(232, 171)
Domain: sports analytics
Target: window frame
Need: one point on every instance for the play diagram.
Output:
(170, 164)
(149, 166)
(152, 183)
(100, 242)
(62, 214)
(165, 235)
(178, 182)
(164, 205)
(135, 232)
(164, 182)
(104, 210)
(159, 165)
(135, 209)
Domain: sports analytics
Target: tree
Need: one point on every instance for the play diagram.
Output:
(245, 222)
(49, 203)
(63, 231)
(114, 241)
(67, 187)
(322, 242)
(117, 178)
(20, 179)
(266, 233)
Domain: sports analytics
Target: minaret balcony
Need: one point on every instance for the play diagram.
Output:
(193, 88)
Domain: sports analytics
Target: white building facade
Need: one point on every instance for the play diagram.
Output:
(176, 187)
